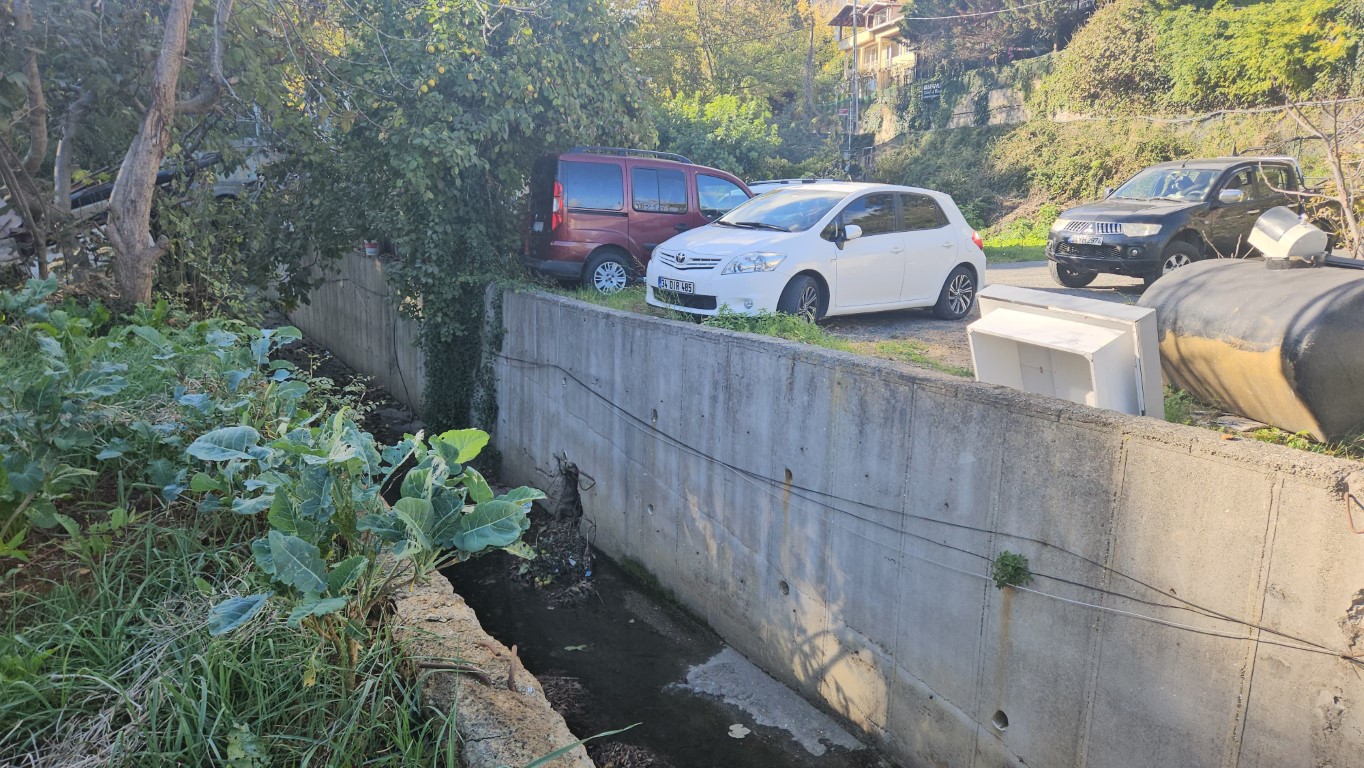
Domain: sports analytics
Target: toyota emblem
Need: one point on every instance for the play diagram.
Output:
(681, 258)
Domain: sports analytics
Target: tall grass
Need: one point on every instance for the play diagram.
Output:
(110, 663)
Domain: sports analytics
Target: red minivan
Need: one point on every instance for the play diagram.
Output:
(596, 213)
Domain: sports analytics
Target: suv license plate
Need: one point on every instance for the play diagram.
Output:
(1086, 240)
(676, 286)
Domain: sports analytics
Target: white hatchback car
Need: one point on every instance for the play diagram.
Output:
(816, 250)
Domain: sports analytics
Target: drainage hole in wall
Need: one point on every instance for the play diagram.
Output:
(1000, 720)
(784, 587)
(789, 476)
(649, 508)
(653, 415)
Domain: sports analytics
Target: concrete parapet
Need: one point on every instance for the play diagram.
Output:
(835, 519)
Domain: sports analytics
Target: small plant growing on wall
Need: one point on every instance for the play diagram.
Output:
(1010, 569)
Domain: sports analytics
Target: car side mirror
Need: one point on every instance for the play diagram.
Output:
(851, 232)
(1108, 191)
(1231, 196)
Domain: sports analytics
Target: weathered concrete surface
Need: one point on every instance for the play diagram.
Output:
(355, 316)
(834, 518)
(741, 683)
(497, 726)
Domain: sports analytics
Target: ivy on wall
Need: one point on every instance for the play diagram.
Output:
(917, 113)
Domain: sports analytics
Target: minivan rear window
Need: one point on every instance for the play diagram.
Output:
(599, 186)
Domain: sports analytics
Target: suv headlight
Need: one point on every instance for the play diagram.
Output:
(1140, 230)
(1059, 224)
(758, 261)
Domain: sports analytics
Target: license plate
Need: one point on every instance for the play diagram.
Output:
(676, 286)
(1086, 240)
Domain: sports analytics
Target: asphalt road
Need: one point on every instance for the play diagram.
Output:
(945, 340)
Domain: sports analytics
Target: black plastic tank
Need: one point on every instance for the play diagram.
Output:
(1285, 347)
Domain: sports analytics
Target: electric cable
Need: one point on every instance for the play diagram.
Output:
(760, 481)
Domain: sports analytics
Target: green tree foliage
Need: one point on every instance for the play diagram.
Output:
(1137, 56)
(450, 103)
(961, 34)
(725, 132)
(757, 48)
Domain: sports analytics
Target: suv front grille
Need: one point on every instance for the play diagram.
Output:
(1094, 227)
(683, 260)
(1089, 251)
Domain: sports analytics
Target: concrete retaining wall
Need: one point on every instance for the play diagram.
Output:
(354, 315)
(834, 518)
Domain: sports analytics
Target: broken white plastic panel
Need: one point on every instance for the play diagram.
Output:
(1083, 350)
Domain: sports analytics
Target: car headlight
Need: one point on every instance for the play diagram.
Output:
(758, 261)
(1059, 224)
(1140, 230)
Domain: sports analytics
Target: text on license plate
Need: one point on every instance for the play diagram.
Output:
(1086, 240)
(676, 286)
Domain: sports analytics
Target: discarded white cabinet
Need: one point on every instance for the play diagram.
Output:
(1083, 350)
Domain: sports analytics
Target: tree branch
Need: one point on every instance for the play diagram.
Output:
(27, 201)
(1344, 193)
(215, 82)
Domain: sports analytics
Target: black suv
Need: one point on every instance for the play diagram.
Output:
(1170, 215)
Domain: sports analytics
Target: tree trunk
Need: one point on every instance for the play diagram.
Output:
(705, 45)
(130, 205)
(810, 72)
(36, 103)
(76, 259)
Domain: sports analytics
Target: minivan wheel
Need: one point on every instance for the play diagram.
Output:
(1072, 278)
(803, 298)
(606, 272)
(1177, 254)
(958, 294)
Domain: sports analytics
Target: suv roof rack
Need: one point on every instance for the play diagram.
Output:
(624, 152)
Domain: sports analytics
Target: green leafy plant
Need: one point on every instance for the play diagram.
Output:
(86, 405)
(1010, 569)
(335, 546)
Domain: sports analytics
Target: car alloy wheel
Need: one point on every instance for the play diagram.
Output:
(808, 304)
(1175, 261)
(960, 293)
(609, 277)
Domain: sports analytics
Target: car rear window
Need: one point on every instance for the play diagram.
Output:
(599, 186)
(921, 212)
(658, 191)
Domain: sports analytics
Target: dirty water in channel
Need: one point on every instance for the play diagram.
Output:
(609, 653)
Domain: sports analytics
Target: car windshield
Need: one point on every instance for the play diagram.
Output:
(784, 210)
(1182, 184)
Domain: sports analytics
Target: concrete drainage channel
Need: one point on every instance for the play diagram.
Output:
(625, 655)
